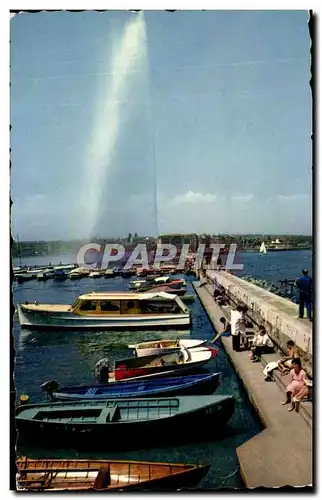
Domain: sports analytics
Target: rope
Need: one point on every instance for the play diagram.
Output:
(229, 475)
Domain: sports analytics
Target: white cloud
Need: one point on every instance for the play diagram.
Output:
(192, 197)
(291, 197)
(243, 197)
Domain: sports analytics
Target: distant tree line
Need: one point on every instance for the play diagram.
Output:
(244, 242)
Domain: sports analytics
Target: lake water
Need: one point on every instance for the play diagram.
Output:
(69, 358)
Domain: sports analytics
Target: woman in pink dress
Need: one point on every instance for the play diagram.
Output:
(297, 385)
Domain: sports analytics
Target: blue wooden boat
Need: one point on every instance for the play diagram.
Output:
(122, 422)
(60, 275)
(168, 386)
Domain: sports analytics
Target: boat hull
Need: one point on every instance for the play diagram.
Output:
(199, 412)
(167, 386)
(124, 475)
(162, 366)
(30, 319)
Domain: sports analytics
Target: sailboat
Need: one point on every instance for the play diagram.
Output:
(263, 248)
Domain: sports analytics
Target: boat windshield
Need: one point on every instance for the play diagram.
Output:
(76, 304)
(88, 305)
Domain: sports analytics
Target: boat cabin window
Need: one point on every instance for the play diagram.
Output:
(129, 306)
(109, 306)
(88, 305)
(160, 306)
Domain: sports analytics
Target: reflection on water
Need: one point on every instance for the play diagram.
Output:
(69, 358)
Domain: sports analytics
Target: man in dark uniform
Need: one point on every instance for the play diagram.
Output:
(304, 283)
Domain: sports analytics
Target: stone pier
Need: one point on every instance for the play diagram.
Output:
(281, 454)
(278, 315)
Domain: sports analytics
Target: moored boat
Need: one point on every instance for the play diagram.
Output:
(94, 274)
(60, 274)
(188, 299)
(155, 365)
(168, 269)
(136, 284)
(76, 274)
(42, 277)
(121, 422)
(171, 288)
(151, 282)
(127, 273)
(161, 346)
(205, 383)
(115, 310)
(104, 475)
(21, 277)
(109, 273)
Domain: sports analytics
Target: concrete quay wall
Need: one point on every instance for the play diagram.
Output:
(278, 315)
(281, 454)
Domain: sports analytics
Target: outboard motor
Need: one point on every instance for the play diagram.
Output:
(50, 386)
(102, 370)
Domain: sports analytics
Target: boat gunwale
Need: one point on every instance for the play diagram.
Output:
(21, 408)
(114, 461)
(203, 379)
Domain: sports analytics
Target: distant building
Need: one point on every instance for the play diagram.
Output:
(178, 240)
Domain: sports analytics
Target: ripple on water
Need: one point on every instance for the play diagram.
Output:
(70, 359)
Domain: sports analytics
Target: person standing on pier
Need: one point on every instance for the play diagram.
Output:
(304, 283)
(236, 325)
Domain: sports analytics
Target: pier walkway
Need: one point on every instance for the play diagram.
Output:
(277, 314)
(280, 455)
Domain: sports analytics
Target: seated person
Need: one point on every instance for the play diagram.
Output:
(261, 344)
(304, 393)
(222, 300)
(297, 389)
(285, 364)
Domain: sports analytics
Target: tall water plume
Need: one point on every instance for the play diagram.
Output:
(128, 61)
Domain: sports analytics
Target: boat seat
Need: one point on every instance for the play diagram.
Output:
(115, 414)
(41, 482)
(109, 415)
(102, 480)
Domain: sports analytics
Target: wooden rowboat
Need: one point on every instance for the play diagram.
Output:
(104, 475)
(162, 346)
(167, 386)
(116, 423)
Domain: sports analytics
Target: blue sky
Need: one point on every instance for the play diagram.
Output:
(167, 122)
